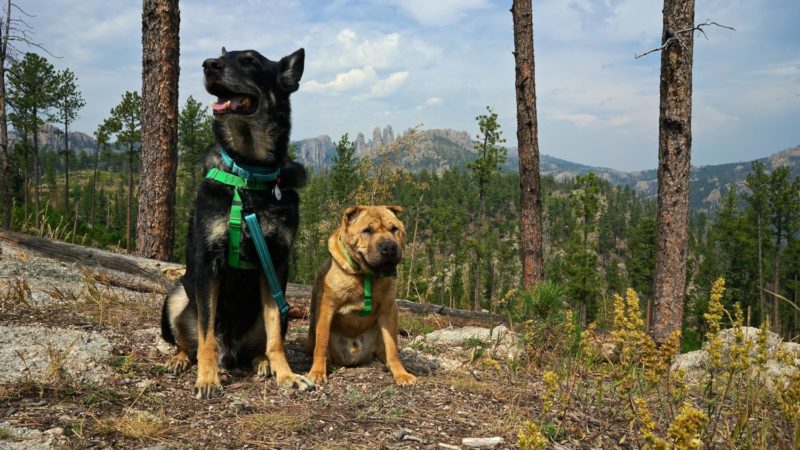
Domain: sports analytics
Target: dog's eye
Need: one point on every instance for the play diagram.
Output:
(367, 231)
(393, 229)
(247, 60)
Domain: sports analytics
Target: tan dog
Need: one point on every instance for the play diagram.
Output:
(368, 243)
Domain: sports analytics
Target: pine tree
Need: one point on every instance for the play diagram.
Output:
(31, 92)
(159, 133)
(126, 125)
(757, 212)
(490, 156)
(528, 143)
(674, 156)
(346, 174)
(67, 102)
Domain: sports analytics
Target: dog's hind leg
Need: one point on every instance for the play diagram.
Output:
(178, 326)
(276, 353)
(208, 383)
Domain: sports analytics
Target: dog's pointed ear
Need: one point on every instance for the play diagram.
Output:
(291, 70)
(395, 209)
(350, 215)
(224, 52)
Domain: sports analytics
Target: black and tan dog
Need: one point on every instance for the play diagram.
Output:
(216, 314)
(368, 242)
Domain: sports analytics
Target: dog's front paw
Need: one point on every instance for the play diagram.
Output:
(178, 363)
(317, 375)
(261, 366)
(207, 386)
(295, 381)
(405, 378)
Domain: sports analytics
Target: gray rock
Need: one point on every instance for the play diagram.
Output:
(491, 442)
(500, 340)
(26, 439)
(153, 335)
(37, 353)
(695, 363)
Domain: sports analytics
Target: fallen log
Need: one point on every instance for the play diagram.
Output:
(158, 276)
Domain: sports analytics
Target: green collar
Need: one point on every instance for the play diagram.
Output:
(367, 309)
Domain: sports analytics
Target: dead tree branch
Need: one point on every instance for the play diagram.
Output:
(674, 36)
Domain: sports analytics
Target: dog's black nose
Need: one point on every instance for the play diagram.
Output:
(212, 64)
(388, 248)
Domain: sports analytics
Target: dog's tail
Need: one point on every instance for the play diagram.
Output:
(166, 327)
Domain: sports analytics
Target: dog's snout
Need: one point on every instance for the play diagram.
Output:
(212, 65)
(388, 248)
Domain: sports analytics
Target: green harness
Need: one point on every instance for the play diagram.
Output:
(254, 179)
(367, 309)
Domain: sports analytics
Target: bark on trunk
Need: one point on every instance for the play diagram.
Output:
(37, 173)
(5, 166)
(94, 186)
(528, 143)
(674, 158)
(130, 202)
(66, 170)
(160, 68)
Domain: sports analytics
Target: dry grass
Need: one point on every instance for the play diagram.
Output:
(133, 424)
(278, 422)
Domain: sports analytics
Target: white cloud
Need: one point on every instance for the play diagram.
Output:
(433, 101)
(579, 119)
(364, 79)
(388, 85)
(439, 12)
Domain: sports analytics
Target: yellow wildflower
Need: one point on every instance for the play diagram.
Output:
(647, 426)
(550, 379)
(684, 432)
(714, 319)
(530, 438)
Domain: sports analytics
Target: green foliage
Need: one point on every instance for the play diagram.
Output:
(345, 174)
(546, 303)
(490, 154)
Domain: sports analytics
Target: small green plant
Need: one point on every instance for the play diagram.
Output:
(5, 434)
(415, 325)
(544, 303)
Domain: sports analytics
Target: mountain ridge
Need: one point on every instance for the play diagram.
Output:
(441, 149)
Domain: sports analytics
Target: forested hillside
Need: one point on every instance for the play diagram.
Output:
(599, 235)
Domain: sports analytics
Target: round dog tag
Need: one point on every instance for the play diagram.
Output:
(277, 193)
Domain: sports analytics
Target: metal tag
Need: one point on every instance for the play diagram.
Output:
(277, 193)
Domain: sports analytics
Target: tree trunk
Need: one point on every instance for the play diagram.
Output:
(36, 172)
(776, 277)
(528, 144)
(130, 201)
(674, 159)
(66, 170)
(94, 186)
(26, 182)
(160, 68)
(5, 165)
(761, 303)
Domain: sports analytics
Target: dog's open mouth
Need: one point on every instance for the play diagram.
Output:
(234, 104)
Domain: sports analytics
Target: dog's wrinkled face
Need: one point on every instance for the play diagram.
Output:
(252, 109)
(374, 236)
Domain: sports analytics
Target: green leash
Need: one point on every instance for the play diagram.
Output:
(256, 179)
(367, 309)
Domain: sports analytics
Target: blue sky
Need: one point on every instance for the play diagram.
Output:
(440, 62)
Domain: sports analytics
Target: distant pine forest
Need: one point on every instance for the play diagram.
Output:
(599, 238)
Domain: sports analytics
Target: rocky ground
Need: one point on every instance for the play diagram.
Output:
(81, 365)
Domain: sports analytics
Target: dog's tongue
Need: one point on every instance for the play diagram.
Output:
(226, 104)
